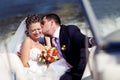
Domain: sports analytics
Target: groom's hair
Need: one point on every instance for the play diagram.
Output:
(51, 16)
(32, 19)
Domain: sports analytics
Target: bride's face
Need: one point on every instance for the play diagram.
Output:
(35, 30)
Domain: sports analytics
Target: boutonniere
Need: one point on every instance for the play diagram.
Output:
(63, 47)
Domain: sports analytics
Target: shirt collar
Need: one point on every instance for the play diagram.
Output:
(56, 33)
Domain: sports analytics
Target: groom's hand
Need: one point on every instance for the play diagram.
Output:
(92, 41)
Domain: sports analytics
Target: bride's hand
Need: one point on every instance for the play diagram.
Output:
(48, 43)
(18, 53)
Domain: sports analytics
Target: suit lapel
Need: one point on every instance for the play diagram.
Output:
(64, 40)
(62, 36)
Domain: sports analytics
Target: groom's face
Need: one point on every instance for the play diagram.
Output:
(46, 27)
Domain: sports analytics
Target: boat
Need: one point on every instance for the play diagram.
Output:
(103, 63)
(103, 20)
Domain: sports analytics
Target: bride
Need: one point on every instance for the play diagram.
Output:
(29, 47)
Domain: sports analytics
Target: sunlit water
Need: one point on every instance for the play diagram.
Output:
(69, 12)
(108, 15)
(107, 12)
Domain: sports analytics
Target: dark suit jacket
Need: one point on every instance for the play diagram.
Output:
(71, 42)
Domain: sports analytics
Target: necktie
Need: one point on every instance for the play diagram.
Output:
(55, 42)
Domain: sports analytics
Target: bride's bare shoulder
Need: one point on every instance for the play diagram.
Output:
(27, 40)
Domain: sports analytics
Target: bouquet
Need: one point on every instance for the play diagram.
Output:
(48, 56)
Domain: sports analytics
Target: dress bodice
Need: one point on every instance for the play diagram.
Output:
(53, 72)
(33, 62)
(34, 53)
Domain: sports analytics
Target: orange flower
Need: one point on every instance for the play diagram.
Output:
(48, 55)
(55, 52)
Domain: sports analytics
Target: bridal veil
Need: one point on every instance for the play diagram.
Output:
(14, 45)
(11, 65)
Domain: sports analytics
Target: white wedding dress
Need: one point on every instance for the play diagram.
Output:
(38, 71)
(35, 71)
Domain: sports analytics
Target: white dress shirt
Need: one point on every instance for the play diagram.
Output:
(56, 35)
(57, 42)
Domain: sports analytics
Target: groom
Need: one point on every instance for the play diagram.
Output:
(70, 40)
